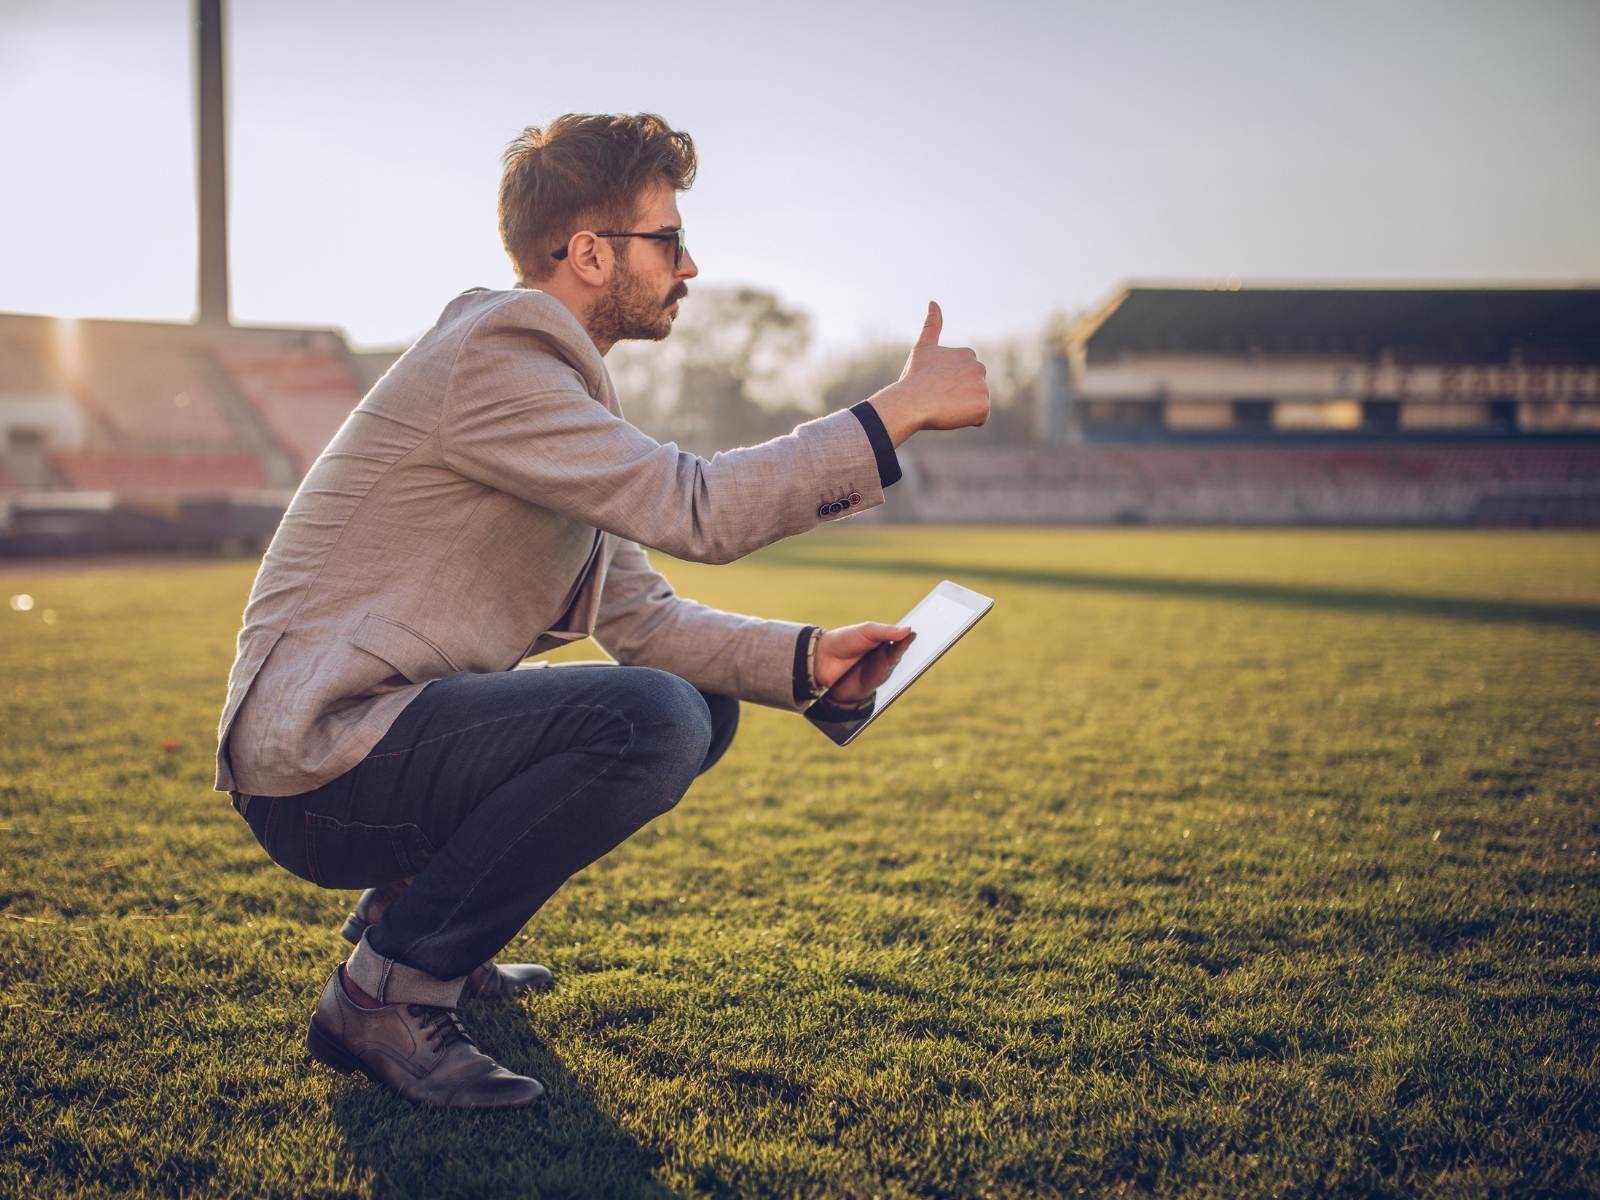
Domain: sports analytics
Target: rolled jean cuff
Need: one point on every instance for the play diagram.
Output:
(390, 981)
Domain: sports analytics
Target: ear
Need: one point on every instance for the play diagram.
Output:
(590, 258)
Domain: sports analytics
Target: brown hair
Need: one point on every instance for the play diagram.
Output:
(583, 171)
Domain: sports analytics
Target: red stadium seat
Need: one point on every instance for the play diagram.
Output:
(133, 473)
(152, 393)
(302, 397)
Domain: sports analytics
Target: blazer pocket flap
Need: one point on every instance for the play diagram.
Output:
(404, 649)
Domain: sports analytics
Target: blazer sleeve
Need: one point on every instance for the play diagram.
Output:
(642, 622)
(519, 418)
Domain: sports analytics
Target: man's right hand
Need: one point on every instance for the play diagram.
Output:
(942, 387)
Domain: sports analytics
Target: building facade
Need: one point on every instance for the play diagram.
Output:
(1190, 363)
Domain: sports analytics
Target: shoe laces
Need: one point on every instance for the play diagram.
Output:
(442, 1025)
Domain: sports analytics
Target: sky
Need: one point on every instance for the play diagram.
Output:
(858, 159)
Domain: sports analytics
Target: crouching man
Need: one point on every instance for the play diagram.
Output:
(485, 503)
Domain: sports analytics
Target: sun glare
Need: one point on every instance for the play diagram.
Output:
(68, 345)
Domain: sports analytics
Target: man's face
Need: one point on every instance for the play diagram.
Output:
(641, 298)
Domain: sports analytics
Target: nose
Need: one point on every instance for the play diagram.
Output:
(687, 268)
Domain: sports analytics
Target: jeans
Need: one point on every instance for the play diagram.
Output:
(493, 790)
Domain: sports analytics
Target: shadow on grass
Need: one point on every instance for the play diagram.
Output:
(1289, 595)
(562, 1146)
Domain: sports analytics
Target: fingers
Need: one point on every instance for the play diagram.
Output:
(856, 640)
(932, 327)
(891, 658)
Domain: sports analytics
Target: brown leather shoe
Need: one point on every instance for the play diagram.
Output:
(418, 1051)
(490, 981)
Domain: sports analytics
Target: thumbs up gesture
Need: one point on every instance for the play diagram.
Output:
(942, 387)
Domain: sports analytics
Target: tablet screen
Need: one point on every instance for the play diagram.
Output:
(937, 621)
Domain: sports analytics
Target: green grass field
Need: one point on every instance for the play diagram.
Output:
(1211, 863)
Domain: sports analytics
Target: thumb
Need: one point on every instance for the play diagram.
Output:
(932, 327)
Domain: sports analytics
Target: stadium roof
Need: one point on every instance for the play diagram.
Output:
(1543, 325)
(43, 325)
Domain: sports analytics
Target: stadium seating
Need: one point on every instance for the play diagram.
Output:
(172, 410)
(301, 396)
(26, 368)
(132, 473)
(174, 413)
(1246, 483)
(148, 394)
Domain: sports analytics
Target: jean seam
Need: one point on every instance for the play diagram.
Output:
(268, 826)
(517, 716)
(312, 868)
(434, 933)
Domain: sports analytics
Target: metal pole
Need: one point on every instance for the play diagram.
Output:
(212, 210)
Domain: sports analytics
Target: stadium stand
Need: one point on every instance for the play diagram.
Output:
(133, 473)
(119, 434)
(1552, 482)
(25, 370)
(141, 395)
(302, 396)
(122, 435)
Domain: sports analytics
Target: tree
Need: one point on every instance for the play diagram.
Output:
(726, 377)
(1013, 366)
(859, 375)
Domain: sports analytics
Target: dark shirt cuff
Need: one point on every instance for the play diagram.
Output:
(882, 443)
(802, 689)
(838, 714)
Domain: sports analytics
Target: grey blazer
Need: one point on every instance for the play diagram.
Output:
(486, 502)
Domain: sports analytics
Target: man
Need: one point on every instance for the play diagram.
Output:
(485, 503)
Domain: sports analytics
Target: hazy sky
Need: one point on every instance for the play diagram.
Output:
(856, 158)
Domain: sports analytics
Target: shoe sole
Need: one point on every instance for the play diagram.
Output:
(330, 1053)
(327, 1050)
(353, 928)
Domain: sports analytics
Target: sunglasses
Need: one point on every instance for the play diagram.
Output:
(666, 235)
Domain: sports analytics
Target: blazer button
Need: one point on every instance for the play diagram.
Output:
(822, 511)
(855, 497)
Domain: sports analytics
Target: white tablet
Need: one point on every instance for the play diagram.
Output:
(860, 695)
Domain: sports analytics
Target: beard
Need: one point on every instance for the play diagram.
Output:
(629, 310)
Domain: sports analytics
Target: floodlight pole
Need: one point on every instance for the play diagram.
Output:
(210, 123)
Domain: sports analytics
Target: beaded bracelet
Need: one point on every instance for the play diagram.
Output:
(811, 663)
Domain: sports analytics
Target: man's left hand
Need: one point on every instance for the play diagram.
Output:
(840, 649)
